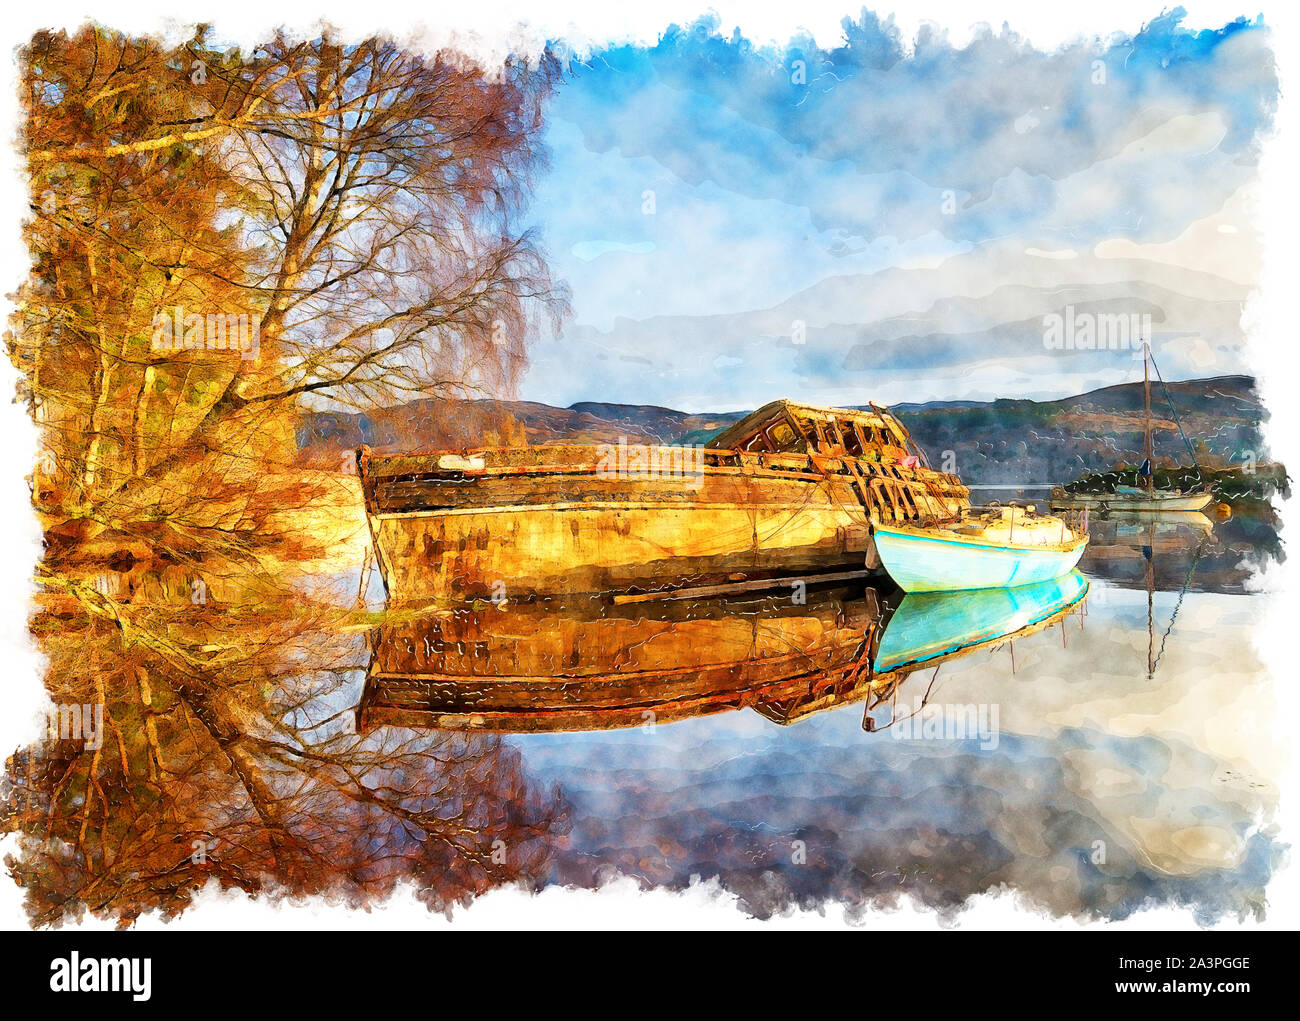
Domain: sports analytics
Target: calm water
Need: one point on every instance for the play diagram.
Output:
(1108, 761)
(1097, 745)
(1160, 771)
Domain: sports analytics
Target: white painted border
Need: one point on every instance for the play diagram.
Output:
(491, 28)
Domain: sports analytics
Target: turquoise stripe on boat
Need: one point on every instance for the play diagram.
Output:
(974, 543)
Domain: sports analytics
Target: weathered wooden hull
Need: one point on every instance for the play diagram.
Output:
(606, 537)
(510, 522)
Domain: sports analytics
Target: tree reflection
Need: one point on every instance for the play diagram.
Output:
(231, 756)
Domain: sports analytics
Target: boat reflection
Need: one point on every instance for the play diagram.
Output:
(588, 665)
(1174, 551)
(928, 628)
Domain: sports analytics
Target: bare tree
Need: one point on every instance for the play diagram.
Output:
(360, 203)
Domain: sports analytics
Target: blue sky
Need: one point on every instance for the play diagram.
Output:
(706, 195)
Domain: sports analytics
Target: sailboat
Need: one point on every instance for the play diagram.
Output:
(1134, 498)
(1140, 498)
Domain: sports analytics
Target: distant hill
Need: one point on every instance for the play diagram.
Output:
(1019, 441)
(1005, 441)
(325, 438)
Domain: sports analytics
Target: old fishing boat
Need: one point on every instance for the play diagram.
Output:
(994, 547)
(791, 489)
(1145, 498)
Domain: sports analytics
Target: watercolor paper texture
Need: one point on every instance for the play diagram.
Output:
(829, 471)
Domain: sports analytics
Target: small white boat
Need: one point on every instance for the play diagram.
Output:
(999, 548)
(1131, 498)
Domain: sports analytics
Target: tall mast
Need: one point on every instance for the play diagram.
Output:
(1146, 395)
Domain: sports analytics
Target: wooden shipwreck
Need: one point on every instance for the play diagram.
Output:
(791, 489)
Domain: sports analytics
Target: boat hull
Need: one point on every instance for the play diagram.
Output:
(1191, 502)
(504, 522)
(635, 535)
(924, 563)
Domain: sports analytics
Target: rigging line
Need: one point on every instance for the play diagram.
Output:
(1177, 606)
(1170, 401)
(925, 699)
(812, 491)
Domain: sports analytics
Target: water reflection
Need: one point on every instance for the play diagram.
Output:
(563, 742)
(593, 665)
(930, 627)
(1185, 549)
(585, 665)
(1104, 792)
(226, 756)
(1086, 782)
